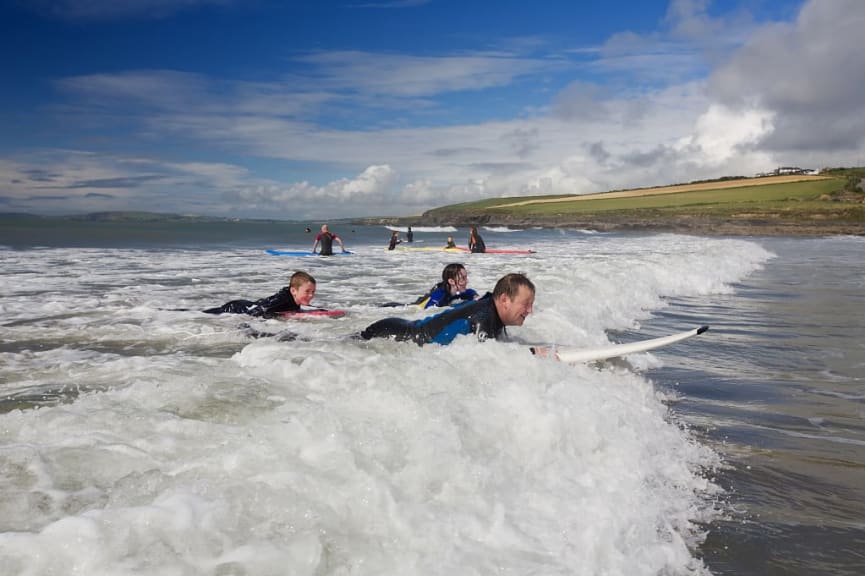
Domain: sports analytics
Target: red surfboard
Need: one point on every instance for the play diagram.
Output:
(312, 313)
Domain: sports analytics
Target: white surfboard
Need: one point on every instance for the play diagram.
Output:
(572, 355)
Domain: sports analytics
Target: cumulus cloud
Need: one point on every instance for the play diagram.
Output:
(722, 133)
(371, 189)
(808, 74)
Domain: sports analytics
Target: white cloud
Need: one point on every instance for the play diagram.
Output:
(809, 74)
(372, 188)
(402, 75)
(721, 133)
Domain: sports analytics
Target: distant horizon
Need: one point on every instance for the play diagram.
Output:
(355, 218)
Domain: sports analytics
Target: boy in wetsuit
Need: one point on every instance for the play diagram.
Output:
(299, 292)
(327, 239)
(509, 304)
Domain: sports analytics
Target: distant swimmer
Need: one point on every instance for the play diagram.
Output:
(327, 238)
(451, 289)
(476, 243)
(451, 243)
(308, 230)
(509, 304)
(299, 292)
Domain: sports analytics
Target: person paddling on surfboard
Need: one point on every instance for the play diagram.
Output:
(451, 243)
(327, 238)
(299, 292)
(509, 304)
(452, 289)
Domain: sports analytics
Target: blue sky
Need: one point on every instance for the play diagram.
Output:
(326, 109)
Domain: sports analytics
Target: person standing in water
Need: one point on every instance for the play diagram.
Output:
(476, 243)
(327, 239)
(394, 240)
(409, 235)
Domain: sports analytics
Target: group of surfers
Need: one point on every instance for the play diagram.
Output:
(326, 238)
(476, 242)
(486, 316)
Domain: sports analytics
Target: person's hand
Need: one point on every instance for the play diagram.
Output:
(545, 352)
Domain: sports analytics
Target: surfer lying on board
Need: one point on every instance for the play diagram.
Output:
(509, 304)
(452, 288)
(326, 237)
(299, 292)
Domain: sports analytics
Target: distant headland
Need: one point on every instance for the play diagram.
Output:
(802, 204)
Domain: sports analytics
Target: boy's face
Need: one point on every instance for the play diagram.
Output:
(304, 293)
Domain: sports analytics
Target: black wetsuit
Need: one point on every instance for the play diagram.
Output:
(478, 245)
(393, 242)
(268, 307)
(479, 317)
(326, 239)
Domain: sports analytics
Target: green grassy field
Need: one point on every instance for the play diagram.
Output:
(837, 199)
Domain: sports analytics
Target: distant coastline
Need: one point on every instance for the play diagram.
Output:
(832, 203)
(678, 225)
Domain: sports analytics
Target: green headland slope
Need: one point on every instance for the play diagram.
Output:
(830, 203)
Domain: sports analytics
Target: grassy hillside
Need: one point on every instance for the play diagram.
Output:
(831, 203)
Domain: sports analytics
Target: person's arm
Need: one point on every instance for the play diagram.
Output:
(468, 294)
(341, 245)
(315, 244)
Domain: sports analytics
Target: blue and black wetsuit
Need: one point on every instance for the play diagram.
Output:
(268, 307)
(441, 296)
(479, 317)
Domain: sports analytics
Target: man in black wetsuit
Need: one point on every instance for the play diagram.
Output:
(327, 238)
(299, 292)
(509, 304)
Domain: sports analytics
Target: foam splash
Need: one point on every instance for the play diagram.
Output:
(189, 447)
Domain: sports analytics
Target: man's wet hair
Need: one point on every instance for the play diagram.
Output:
(509, 285)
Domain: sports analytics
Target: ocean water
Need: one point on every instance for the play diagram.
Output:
(140, 436)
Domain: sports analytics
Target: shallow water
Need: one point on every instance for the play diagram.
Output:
(139, 438)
